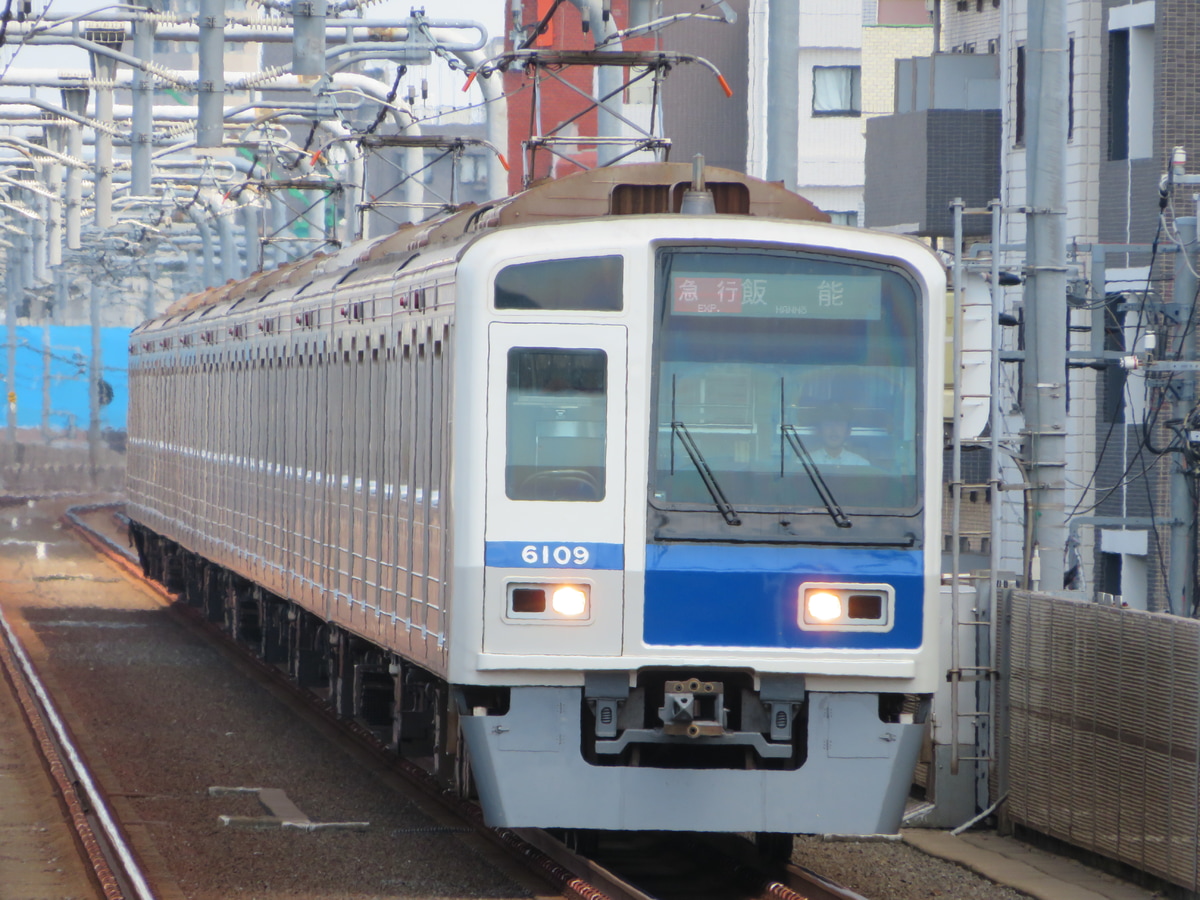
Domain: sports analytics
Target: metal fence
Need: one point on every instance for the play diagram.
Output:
(1103, 730)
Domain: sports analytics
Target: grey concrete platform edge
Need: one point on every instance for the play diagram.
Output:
(1024, 868)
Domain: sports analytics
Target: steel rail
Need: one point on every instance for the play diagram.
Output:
(575, 876)
(569, 883)
(122, 878)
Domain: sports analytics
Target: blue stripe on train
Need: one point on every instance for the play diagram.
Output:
(746, 596)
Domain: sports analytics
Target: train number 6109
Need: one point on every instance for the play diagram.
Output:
(562, 555)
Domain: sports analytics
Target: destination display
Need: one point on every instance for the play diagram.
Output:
(779, 296)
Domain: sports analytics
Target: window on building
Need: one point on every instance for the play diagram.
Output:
(1131, 92)
(1070, 88)
(1118, 94)
(1019, 119)
(844, 218)
(837, 90)
(430, 160)
(1114, 376)
(472, 169)
(900, 12)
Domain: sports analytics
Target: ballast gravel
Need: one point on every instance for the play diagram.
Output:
(163, 717)
(892, 870)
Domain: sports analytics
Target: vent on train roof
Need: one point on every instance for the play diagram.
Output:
(730, 197)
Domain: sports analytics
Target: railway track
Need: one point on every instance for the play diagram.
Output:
(636, 866)
(101, 844)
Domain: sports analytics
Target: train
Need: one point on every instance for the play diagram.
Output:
(615, 503)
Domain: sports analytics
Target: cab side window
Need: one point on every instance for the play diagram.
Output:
(591, 283)
(557, 407)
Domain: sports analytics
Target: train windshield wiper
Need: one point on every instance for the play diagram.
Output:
(724, 507)
(840, 519)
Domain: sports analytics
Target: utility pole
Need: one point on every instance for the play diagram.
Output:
(105, 72)
(1182, 568)
(94, 370)
(1044, 391)
(74, 100)
(783, 74)
(143, 106)
(308, 31)
(11, 282)
(210, 126)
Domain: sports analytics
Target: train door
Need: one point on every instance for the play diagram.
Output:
(555, 515)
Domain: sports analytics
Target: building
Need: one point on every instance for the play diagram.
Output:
(841, 62)
(1132, 98)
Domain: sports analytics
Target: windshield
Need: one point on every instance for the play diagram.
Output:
(764, 357)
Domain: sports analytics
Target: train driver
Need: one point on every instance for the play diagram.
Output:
(833, 430)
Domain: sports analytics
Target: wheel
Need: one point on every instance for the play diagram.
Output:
(583, 841)
(774, 846)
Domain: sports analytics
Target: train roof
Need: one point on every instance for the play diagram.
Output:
(633, 189)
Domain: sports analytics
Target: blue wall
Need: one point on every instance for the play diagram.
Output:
(70, 347)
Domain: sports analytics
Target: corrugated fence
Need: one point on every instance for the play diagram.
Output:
(1104, 726)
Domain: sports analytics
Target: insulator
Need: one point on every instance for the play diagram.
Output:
(250, 81)
(168, 75)
(258, 21)
(166, 18)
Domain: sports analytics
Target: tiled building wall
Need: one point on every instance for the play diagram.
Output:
(972, 27)
(1177, 123)
(1134, 480)
(1177, 46)
(882, 46)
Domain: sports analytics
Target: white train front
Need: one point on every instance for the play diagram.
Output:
(644, 507)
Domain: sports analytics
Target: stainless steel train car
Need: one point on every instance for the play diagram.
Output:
(616, 502)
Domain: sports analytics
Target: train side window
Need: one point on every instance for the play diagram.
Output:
(557, 415)
(590, 283)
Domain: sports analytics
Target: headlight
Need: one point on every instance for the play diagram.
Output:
(568, 601)
(549, 603)
(823, 606)
(845, 606)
